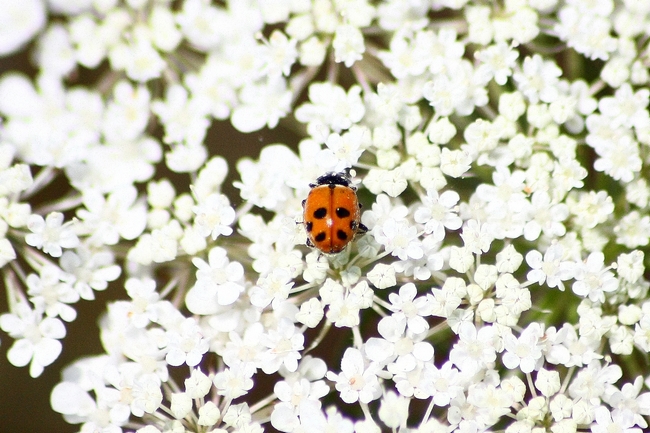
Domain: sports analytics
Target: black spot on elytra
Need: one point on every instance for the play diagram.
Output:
(309, 226)
(320, 213)
(342, 212)
(341, 235)
(320, 237)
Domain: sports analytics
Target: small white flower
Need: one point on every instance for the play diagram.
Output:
(344, 311)
(394, 410)
(481, 26)
(519, 23)
(186, 344)
(15, 179)
(348, 44)
(214, 216)
(538, 79)
(218, 283)
(620, 159)
(331, 291)
(185, 158)
(203, 24)
(146, 395)
(498, 60)
(475, 349)
(443, 384)
(637, 192)
(89, 47)
(460, 258)
(523, 352)
(439, 212)
(587, 30)
(605, 421)
(54, 52)
(209, 414)
(508, 259)
(358, 380)
(284, 345)
(71, 399)
(184, 118)
(331, 107)
(144, 297)
(311, 313)
(400, 239)
(262, 104)
(68, 120)
(275, 11)
(477, 237)
(593, 279)
(181, 404)
(316, 267)
(454, 163)
(630, 266)
(272, 287)
(443, 94)
(444, 301)
(297, 399)
(264, 183)
(312, 52)
(140, 60)
(280, 54)
(512, 105)
(343, 150)
(567, 174)
(545, 217)
(591, 208)
(238, 415)
(245, 347)
(382, 276)
(440, 132)
(234, 381)
(626, 108)
(198, 384)
(51, 235)
(164, 32)
(591, 381)
(7, 252)
(37, 338)
(192, 242)
(20, 20)
(127, 114)
(212, 88)
(52, 292)
(552, 268)
(106, 219)
(405, 55)
(413, 310)
(392, 182)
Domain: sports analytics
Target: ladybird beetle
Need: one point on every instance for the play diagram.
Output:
(332, 213)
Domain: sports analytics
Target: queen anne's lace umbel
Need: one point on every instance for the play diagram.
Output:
(500, 150)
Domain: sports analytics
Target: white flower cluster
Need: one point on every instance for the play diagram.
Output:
(500, 149)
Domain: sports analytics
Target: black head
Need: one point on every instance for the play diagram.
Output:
(334, 179)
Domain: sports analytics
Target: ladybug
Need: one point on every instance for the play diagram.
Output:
(332, 213)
